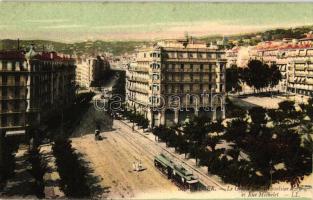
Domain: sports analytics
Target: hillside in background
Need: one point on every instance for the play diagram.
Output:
(121, 47)
(89, 47)
(274, 34)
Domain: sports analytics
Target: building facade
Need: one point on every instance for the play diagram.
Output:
(175, 80)
(294, 58)
(90, 70)
(296, 64)
(33, 86)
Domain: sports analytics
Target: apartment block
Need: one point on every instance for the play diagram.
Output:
(294, 58)
(175, 80)
(33, 85)
(296, 64)
(90, 70)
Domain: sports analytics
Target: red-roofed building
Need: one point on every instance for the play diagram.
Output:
(33, 86)
(294, 57)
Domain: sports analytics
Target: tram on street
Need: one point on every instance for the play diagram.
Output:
(183, 178)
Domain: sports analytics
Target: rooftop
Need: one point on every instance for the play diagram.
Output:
(21, 55)
(12, 55)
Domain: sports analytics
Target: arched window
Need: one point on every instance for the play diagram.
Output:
(155, 77)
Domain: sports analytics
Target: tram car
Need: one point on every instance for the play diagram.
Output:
(183, 178)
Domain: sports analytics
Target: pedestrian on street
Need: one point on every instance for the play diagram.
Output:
(134, 166)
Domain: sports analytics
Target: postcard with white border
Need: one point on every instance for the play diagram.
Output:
(156, 100)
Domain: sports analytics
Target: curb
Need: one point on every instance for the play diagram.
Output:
(173, 155)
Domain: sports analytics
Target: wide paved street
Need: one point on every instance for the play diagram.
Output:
(112, 159)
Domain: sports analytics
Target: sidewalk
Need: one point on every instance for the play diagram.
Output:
(202, 172)
(21, 184)
(51, 178)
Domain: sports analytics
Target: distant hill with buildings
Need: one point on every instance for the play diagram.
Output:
(254, 38)
(121, 47)
(88, 47)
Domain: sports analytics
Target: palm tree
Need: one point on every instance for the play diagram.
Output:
(308, 143)
(195, 132)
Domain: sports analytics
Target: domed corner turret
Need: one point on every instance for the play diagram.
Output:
(31, 53)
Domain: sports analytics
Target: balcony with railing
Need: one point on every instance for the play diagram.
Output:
(139, 69)
(137, 89)
(300, 74)
(196, 59)
(137, 79)
(191, 70)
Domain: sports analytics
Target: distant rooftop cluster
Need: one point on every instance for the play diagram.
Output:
(287, 43)
(45, 56)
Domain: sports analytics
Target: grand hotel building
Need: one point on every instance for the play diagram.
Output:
(175, 80)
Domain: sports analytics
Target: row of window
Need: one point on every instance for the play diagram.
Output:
(182, 77)
(8, 79)
(11, 66)
(14, 120)
(194, 55)
(15, 105)
(175, 100)
(17, 92)
(152, 55)
(191, 66)
(182, 88)
(190, 87)
(155, 66)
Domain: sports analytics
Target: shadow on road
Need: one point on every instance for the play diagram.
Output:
(91, 120)
(21, 184)
(94, 181)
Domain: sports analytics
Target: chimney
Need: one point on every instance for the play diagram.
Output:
(18, 44)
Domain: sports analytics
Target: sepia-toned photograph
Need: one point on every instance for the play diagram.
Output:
(156, 100)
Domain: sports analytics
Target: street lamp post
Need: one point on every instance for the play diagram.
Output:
(271, 173)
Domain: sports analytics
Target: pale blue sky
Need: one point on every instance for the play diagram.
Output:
(124, 21)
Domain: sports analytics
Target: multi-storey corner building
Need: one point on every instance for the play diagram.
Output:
(293, 57)
(296, 64)
(175, 80)
(33, 86)
(90, 70)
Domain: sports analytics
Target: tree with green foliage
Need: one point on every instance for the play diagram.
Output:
(195, 132)
(7, 166)
(258, 115)
(274, 76)
(38, 170)
(72, 172)
(233, 81)
(256, 74)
